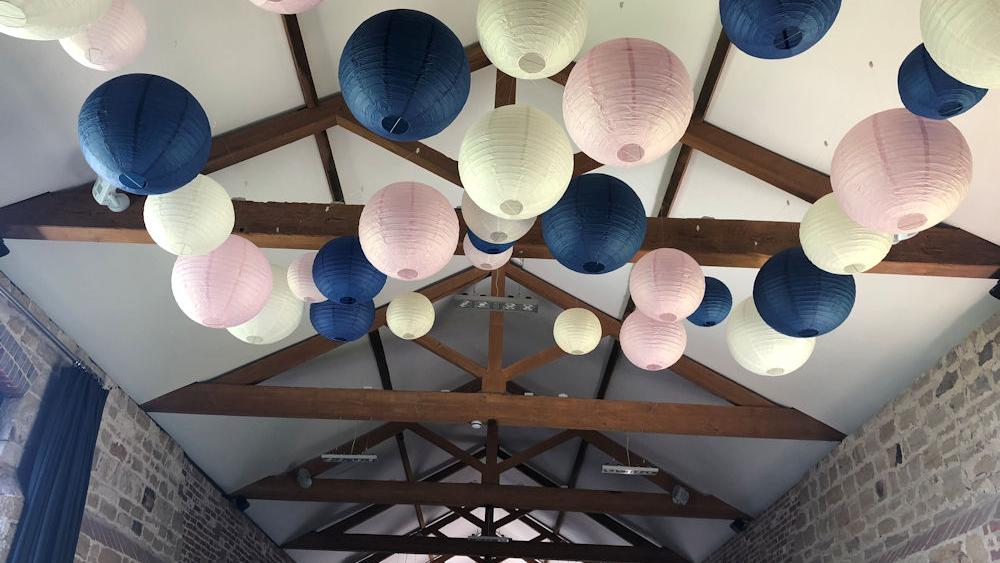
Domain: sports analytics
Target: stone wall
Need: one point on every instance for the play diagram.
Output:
(918, 483)
(147, 501)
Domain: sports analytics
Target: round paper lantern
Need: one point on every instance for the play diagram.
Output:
(410, 315)
(627, 102)
(715, 305)
(493, 228)
(278, 319)
(930, 92)
(515, 162)
(224, 288)
(836, 243)
(652, 345)
(796, 298)
(531, 38)
(896, 172)
(597, 226)
(144, 133)
(404, 75)
(49, 19)
(113, 41)
(488, 247)
(961, 35)
(777, 29)
(761, 349)
(666, 284)
(192, 220)
(577, 331)
(300, 279)
(342, 322)
(482, 260)
(343, 273)
(286, 6)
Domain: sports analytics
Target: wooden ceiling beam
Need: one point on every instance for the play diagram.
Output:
(534, 361)
(536, 450)
(451, 355)
(494, 380)
(447, 446)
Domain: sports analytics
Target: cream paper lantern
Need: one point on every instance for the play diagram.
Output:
(300, 279)
(515, 162)
(192, 220)
(531, 38)
(49, 19)
(484, 260)
(963, 38)
(490, 227)
(577, 331)
(410, 315)
(761, 349)
(281, 315)
(112, 42)
(836, 243)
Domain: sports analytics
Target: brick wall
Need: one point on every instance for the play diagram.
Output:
(147, 502)
(918, 483)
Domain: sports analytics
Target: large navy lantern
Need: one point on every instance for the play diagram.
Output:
(342, 322)
(715, 305)
(144, 133)
(777, 29)
(488, 247)
(343, 274)
(929, 91)
(798, 299)
(404, 75)
(597, 226)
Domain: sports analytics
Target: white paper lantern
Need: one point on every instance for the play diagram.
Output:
(836, 243)
(515, 162)
(483, 260)
(650, 344)
(194, 219)
(49, 19)
(490, 227)
(410, 315)
(761, 349)
(577, 331)
(114, 41)
(279, 318)
(531, 38)
(963, 38)
(300, 279)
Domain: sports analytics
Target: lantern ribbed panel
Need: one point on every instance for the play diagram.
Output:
(930, 92)
(486, 246)
(961, 35)
(897, 172)
(627, 102)
(761, 349)
(836, 243)
(192, 220)
(531, 38)
(515, 162)
(715, 305)
(777, 29)
(144, 133)
(404, 75)
(482, 260)
(577, 331)
(666, 284)
(493, 228)
(113, 41)
(343, 273)
(597, 226)
(651, 345)
(224, 288)
(300, 279)
(798, 299)
(341, 322)
(408, 230)
(49, 19)
(278, 319)
(286, 6)
(410, 315)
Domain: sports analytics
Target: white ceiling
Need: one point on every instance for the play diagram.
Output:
(235, 59)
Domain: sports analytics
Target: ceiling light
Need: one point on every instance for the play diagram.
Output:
(614, 469)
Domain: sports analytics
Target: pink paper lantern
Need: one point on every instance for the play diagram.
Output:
(667, 284)
(481, 259)
(300, 279)
(896, 172)
(114, 41)
(408, 231)
(286, 6)
(651, 345)
(627, 102)
(224, 288)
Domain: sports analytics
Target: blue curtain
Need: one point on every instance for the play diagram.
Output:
(55, 470)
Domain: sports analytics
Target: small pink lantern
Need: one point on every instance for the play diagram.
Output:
(652, 345)
(897, 172)
(286, 6)
(667, 284)
(408, 231)
(481, 259)
(300, 279)
(114, 41)
(627, 102)
(224, 288)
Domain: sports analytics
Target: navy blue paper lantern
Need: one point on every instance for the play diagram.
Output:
(404, 75)
(487, 246)
(777, 29)
(597, 226)
(343, 274)
(715, 306)
(928, 91)
(342, 322)
(144, 133)
(798, 299)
